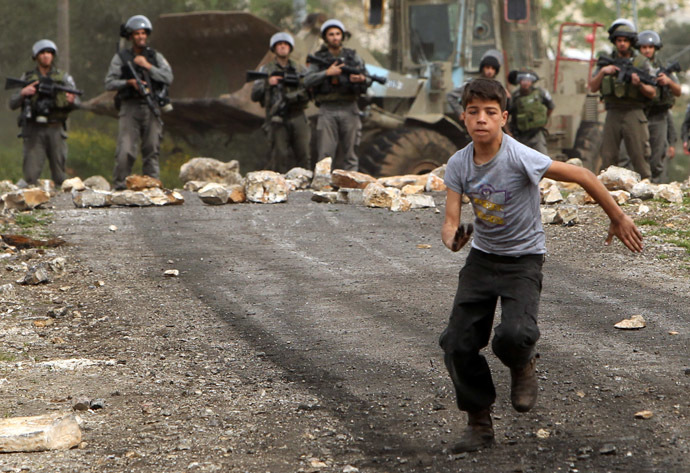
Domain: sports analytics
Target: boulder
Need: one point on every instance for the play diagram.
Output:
(548, 215)
(669, 193)
(327, 197)
(350, 179)
(25, 199)
(214, 194)
(299, 178)
(73, 184)
(376, 195)
(322, 175)
(99, 183)
(643, 190)
(130, 198)
(434, 183)
(211, 170)
(577, 198)
(553, 195)
(91, 198)
(136, 182)
(420, 201)
(56, 431)
(266, 187)
(616, 178)
(236, 194)
(400, 204)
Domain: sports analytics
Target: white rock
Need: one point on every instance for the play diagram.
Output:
(112, 228)
(211, 170)
(300, 177)
(620, 196)
(173, 273)
(669, 193)
(99, 183)
(214, 194)
(91, 198)
(56, 431)
(266, 187)
(194, 186)
(643, 190)
(616, 178)
(421, 201)
(553, 195)
(375, 195)
(642, 209)
(548, 215)
(575, 162)
(567, 214)
(73, 184)
(130, 198)
(322, 175)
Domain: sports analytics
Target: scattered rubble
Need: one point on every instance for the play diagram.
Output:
(211, 170)
(73, 184)
(266, 187)
(25, 199)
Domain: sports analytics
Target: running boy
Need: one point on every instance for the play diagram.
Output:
(501, 178)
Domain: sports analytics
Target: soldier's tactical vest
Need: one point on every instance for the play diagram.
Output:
(129, 93)
(338, 88)
(60, 108)
(616, 92)
(664, 98)
(291, 99)
(531, 111)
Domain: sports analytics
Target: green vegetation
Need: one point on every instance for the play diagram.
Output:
(646, 221)
(32, 219)
(7, 357)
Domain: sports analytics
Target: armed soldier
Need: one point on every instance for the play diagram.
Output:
(625, 100)
(489, 67)
(649, 42)
(284, 97)
(530, 110)
(140, 76)
(45, 109)
(336, 93)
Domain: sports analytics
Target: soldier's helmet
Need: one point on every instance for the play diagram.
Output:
(491, 58)
(282, 38)
(42, 45)
(332, 23)
(649, 38)
(138, 22)
(624, 28)
(527, 74)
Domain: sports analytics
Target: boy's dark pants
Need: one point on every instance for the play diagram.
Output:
(484, 278)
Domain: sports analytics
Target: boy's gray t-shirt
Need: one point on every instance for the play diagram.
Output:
(504, 194)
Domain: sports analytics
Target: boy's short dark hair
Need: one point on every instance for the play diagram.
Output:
(485, 89)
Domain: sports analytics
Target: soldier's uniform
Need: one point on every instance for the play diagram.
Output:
(625, 119)
(339, 124)
(286, 124)
(136, 119)
(657, 116)
(44, 134)
(529, 113)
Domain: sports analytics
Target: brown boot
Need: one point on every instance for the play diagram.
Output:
(478, 434)
(523, 386)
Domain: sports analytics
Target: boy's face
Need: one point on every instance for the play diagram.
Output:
(484, 120)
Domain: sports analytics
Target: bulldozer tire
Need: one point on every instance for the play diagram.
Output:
(587, 144)
(405, 151)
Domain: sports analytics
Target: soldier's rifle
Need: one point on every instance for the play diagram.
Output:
(46, 91)
(626, 70)
(346, 70)
(145, 91)
(290, 79)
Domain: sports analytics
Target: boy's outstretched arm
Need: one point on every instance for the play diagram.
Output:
(621, 226)
(453, 235)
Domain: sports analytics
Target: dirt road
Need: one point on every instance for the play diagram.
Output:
(303, 337)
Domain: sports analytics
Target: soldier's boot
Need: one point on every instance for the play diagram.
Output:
(523, 386)
(478, 434)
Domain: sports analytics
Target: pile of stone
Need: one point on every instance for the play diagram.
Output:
(219, 183)
(142, 191)
(623, 184)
